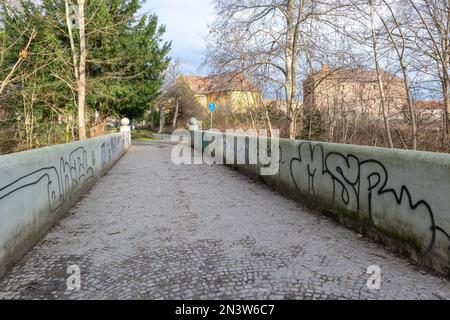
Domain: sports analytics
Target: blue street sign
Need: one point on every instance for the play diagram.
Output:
(212, 106)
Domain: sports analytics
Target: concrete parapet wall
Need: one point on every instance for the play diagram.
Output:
(38, 186)
(399, 197)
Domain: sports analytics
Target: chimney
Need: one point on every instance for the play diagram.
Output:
(325, 67)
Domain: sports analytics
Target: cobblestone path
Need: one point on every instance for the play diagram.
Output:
(152, 230)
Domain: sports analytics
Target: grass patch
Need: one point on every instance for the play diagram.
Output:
(146, 139)
(143, 135)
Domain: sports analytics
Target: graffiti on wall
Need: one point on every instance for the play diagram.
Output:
(111, 149)
(66, 178)
(62, 182)
(359, 185)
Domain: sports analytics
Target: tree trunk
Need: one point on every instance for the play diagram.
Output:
(400, 54)
(380, 85)
(383, 107)
(290, 67)
(72, 42)
(82, 74)
(446, 87)
(266, 111)
(412, 113)
(446, 111)
(175, 116)
(445, 80)
(162, 119)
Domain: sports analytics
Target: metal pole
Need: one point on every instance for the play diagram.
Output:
(211, 121)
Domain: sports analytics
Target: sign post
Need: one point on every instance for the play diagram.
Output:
(212, 106)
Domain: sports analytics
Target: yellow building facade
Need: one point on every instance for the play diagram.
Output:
(232, 91)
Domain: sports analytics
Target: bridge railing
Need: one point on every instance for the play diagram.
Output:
(38, 186)
(399, 197)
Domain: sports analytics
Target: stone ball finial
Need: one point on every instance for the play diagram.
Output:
(125, 122)
(193, 121)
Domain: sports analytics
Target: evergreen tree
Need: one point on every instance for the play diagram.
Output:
(126, 59)
(127, 65)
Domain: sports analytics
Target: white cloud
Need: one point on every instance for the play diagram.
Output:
(186, 26)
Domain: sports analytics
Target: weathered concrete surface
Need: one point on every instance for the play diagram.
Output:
(150, 229)
(38, 186)
(400, 197)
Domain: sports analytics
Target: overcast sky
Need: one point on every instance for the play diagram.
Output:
(186, 26)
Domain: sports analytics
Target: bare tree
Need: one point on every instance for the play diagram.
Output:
(379, 76)
(175, 74)
(431, 29)
(23, 54)
(374, 25)
(170, 88)
(266, 37)
(398, 41)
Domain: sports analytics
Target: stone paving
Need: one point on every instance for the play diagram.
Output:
(152, 230)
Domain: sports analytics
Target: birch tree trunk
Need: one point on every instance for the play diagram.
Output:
(290, 73)
(72, 42)
(82, 74)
